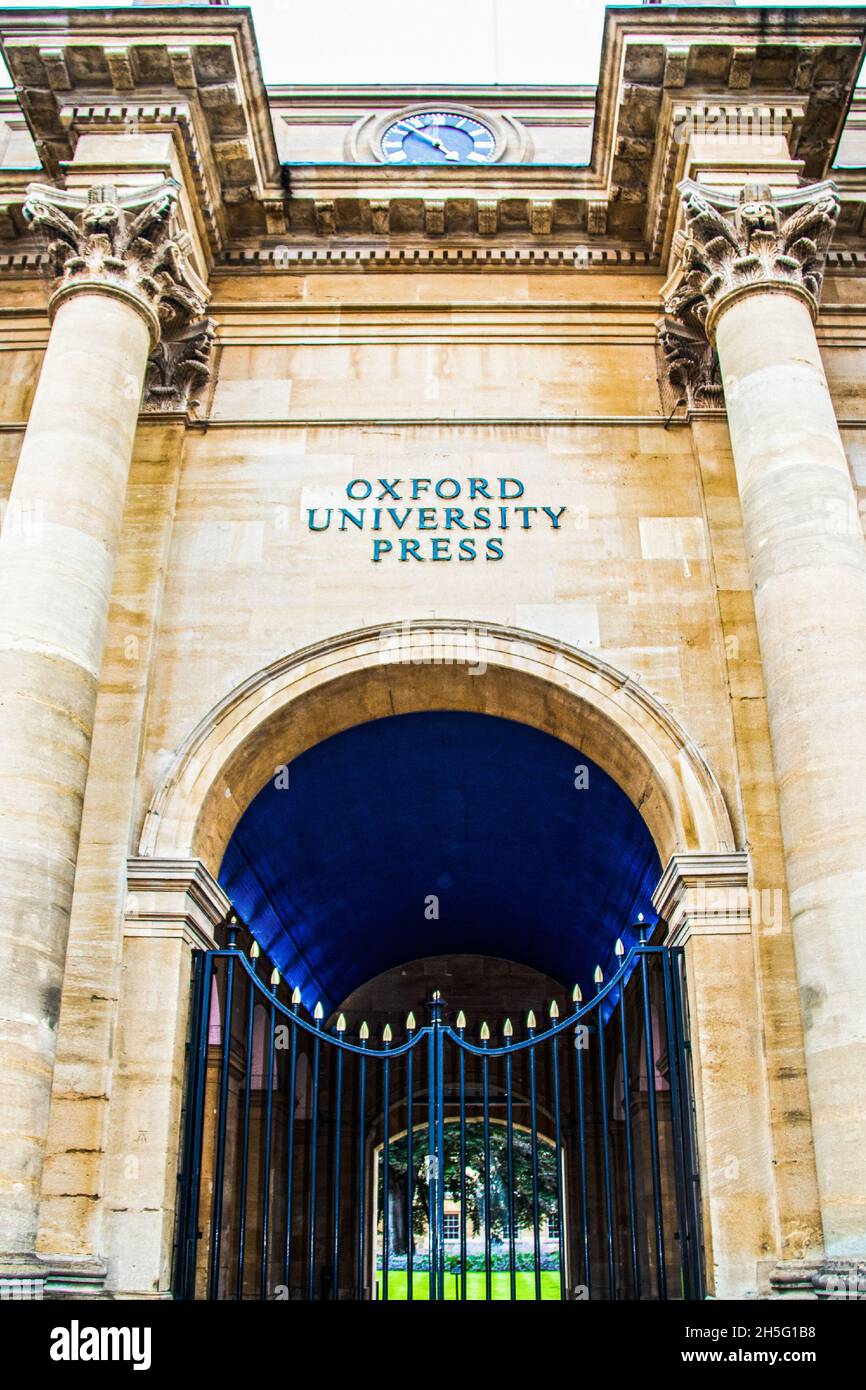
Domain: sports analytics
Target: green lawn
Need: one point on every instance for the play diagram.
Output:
(475, 1285)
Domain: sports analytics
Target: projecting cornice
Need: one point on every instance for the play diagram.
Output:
(665, 73)
(140, 69)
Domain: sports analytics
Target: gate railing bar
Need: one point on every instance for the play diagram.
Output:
(266, 1195)
(290, 1144)
(216, 1239)
(439, 1083)
(581, 1115)
(485, 1085)
(512, 1263)
(536, 1232)
(338, 1138)
(245, 1145)
(605, 1135)
(698, 1290)
(626, 1103)
(677, 1125)
(386, 1164)
(461, 1062)
(362, 1155)
(661, 1270)
(560, 1214)
(314, 1152)
(432, 1193)
(190, 1173)
(410, 1191)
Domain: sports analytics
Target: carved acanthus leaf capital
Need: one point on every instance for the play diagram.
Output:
(128, 243)
(179, 368)
(755, 241)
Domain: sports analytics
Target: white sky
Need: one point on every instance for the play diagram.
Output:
(426, 41)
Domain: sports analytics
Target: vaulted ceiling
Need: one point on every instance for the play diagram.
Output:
(438, 832)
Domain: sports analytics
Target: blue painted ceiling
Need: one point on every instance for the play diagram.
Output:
(333, 873)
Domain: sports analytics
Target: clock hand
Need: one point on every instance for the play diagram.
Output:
(432, 140)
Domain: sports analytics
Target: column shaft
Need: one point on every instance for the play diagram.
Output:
(57, 552)
(807, 561)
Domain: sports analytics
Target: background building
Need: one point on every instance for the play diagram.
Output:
(479, 573)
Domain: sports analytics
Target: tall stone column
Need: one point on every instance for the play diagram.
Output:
(751, 277)
(123, 279)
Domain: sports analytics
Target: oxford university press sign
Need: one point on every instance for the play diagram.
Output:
(438, 520)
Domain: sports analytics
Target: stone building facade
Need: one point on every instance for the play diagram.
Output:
(224, 311)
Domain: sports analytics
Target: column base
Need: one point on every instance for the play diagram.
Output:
(815, 1279)
(841, 1279)
(26, 1277)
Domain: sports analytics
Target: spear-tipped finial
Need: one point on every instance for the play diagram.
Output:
(619, 949)
(461, 1021)
(386, 1033)
(318, 1012)
(341, 1023)
(485, 1033)
(554, 1009)
(598, 977)
(255, 951)
(296, 997)
(275, 977)
(410, 1022)
(437, 994)
(508, 1028)
(364, 1032)
(530, 1019)
(577, 995)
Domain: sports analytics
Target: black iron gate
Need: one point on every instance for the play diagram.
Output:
(552, 1162)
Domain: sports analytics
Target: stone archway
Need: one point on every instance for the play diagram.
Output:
(437, 664)
(349, 679)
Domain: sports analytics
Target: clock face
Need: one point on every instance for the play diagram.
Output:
(438, 137)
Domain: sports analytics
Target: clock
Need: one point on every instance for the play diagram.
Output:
(438, 137)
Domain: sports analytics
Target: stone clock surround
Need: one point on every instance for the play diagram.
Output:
(513, 145)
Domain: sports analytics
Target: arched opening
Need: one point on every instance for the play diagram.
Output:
(434, 833)
(456, 839)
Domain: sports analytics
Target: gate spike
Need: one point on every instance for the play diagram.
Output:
(364, 1032)
(554, 1009)
(275, 976)
(598, 977)
(410, 1022)
(619, 949)
(296, 997)
(507, 1028)
(485, 1033)
(461, 1021)
(386, 1033)
(577, 995)
(318, 1012)
(255, 951)
(341, 1023)
(530, 1020)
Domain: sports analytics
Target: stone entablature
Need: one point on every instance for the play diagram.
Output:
(197, 76)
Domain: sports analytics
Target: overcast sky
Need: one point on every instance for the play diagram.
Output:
(426, 41)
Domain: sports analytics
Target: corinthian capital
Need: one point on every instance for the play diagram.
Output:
(757, 241)
(128, 244)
